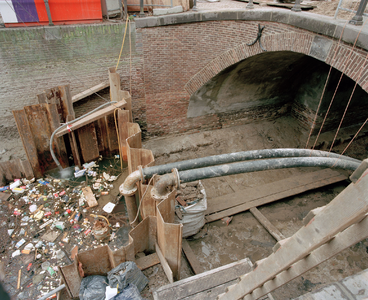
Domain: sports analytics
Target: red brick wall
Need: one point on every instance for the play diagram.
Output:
(179, 59)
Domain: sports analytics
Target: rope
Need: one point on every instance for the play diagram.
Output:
(122, 45)
(352, 93)
(361, 127)
(324, 88)
(117, 132)
(140, 202)
(130, 63)
(337, 87)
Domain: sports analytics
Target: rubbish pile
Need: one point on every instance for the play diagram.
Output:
(44, 220)
(191, 207)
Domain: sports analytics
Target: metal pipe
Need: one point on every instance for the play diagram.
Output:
(48, 12)
(52, 292)
(251, 166)
(297, 7)
(358, 18)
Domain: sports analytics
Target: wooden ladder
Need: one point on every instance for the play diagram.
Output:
(327, 231)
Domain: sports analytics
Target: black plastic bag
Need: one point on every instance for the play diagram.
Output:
(129, 293)
(93, 288)
(125, 273)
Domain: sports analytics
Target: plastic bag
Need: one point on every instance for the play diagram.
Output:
(129, 293)
(125, 273)
(93, 288)
(193, 215)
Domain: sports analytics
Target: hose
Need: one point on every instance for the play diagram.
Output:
(160, 190)
(129, 185)
(71, 122)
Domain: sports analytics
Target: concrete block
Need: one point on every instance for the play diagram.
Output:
(280, 16)
(255, 15)
(357, 284)
(146, 22)
(175, 9)
(331, 292)
(179, 18)
(166, 11)
(320, 48)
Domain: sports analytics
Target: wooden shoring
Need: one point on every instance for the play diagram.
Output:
(169, 235)
(243, 200)
(114, 79)
(88, 142)
(15, 169)
(349, 207)
(148, 204)
(123, 120)
(90, 91)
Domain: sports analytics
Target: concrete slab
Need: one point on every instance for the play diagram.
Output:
(354, 287)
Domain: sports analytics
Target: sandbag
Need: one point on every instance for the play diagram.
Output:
(193, 215)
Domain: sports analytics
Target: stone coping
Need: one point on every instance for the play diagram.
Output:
(319, 24)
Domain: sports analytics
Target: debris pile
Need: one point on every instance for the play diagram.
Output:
(43, 220)
(191, 207)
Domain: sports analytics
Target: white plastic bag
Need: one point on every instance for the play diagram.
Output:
(193, 215)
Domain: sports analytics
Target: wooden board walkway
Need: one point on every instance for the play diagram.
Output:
(206, 285)
(243, 200)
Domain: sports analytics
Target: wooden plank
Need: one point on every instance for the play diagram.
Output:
(6, 167)
(90, 197)
(27, 169)
(164, 264)
(101, 132)
(114, 79)
(257, 196)
(205, 281)
(192, 259)
(88, 142)
(42, 98)
(27, 140)
(128, 99)
(4, 196)
(2, 176)
(74, 145)
(212, 293)
(112, 136)
(123, 119)
(90, 91)
(346, 209)
(349, 237)
(58, 144)
(267, 224)
(93, 117)
(66, 101)
(147, 261)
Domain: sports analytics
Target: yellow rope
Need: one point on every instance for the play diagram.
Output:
(117, 132)
(122, 45)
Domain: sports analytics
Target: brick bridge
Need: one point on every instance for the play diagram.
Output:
(194, 71)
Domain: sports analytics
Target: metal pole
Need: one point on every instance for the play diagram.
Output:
(141, 14)
(125, 9)
(52, 292)
(358, 18)
(48, 12)
(297, 7)
(250, 5)
(194, 5)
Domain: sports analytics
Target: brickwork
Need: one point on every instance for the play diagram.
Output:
(34, 59)
(169, 63)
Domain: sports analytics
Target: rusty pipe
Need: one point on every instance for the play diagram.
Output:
(129, 187)
(160, 189)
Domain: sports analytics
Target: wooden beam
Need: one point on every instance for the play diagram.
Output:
(349, 237)
(243, 200)
(93, 117)
(90, 91)
(267, 224)
(88, 142)
(27, 140)
(192, 259)
(114, 79)
(346, 209)
(190, 287)
(147, 261)
(164, 264)
(66, 101)
(74, 145)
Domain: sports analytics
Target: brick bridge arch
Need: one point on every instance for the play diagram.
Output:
(325, 49)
